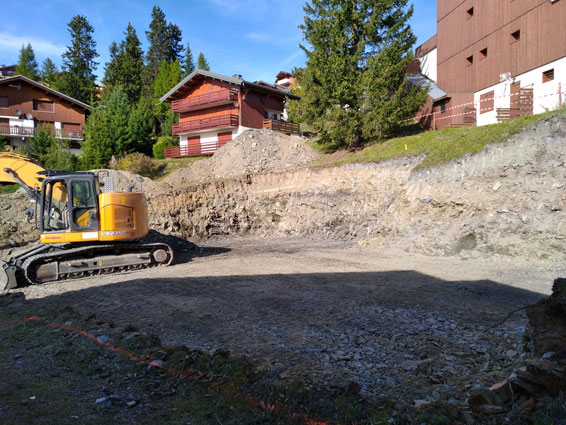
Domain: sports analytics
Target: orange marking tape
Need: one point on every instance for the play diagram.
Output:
(192, 375)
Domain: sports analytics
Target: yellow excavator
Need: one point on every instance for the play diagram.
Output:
(84, 231)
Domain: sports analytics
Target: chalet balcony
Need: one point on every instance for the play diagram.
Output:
(282, 126)
(193, 149)
(207, 100)
(6, 130)
(222, 121)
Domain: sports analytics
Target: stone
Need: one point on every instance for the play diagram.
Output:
(481, 397)
(502, 390)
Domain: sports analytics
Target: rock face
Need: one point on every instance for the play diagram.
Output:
(506, 200)
(547, 321)
(542, 376)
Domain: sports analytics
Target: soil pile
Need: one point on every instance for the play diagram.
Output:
(506, 201)
(254, 151)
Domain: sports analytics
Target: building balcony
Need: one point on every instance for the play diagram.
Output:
(222, 121)
(282, 126)
(207, 100)
(59, 133)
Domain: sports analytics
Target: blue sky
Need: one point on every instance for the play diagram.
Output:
(254, 38)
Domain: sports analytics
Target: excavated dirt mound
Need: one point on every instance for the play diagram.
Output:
(254, 151)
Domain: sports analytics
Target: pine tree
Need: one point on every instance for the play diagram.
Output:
(202, 62)
(117, 117)
(27, 65)
(39, 144)
(111, 71)
(158, 43)
(49, 73)
(77, 79)
(169, 75)
(140, 127)
(189, 64)
(97, 147)
(174, 43)
(130, 66)
(356, 69)
(57, 158)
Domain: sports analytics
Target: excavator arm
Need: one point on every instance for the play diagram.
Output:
(20, 169)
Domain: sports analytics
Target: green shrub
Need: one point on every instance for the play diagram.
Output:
(162, 143)
(138, 163)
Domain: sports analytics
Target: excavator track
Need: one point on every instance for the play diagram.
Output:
(93, 260)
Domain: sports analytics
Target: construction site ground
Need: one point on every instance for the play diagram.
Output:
(326, 312)
(408, 285)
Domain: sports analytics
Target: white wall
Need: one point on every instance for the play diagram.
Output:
(545, 94)
(429, 65)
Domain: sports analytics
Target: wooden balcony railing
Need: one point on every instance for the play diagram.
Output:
(59, 133)
(282, 126)
(221, 121)
(193, 149)
(205, 100)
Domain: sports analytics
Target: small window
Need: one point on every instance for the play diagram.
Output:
(4, 102)
(548, 75)
(469, 60)
(483, 53)
(486, 102)
(470, 12)
(443, 107)
(515, 36)
(43, 106)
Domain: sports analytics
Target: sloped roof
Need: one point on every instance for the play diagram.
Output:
(434, 91)
(46, 89)
(237, 80)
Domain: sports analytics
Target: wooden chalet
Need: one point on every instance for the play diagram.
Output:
(26, 105)
(214, 109)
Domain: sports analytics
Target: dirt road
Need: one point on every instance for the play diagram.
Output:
(401, 325)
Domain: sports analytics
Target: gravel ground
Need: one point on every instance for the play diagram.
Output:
(403, 326)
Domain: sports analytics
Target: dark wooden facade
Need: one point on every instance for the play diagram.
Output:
(498, 36)
(22, 98)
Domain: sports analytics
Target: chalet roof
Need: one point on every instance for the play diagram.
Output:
(434, 91)
(180, 89)
(46, 89)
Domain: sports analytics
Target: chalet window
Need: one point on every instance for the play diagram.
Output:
(483, 53)
(443, 107)
(515, 36)
(486, 102)
(469, 60)
(4, 102)
(548, 75)
(470, 12)
(43, 106)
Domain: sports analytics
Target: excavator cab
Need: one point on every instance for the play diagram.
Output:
(69, 204)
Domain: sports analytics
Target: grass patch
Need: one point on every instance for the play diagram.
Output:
(171, 164)
(443, 145)
(8, 188)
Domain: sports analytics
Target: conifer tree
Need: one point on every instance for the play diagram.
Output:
(49, 73)
(174, 43)
(97, 147)
(27, 65)
(130, 66)
(202, 62)
(77, 79)
(117, 117)
(158, 43)
(111, 70)
(355, 86)
(189, 64)
(140, 127)
(169, 75)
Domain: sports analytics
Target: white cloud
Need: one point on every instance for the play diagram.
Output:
(10, 45)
